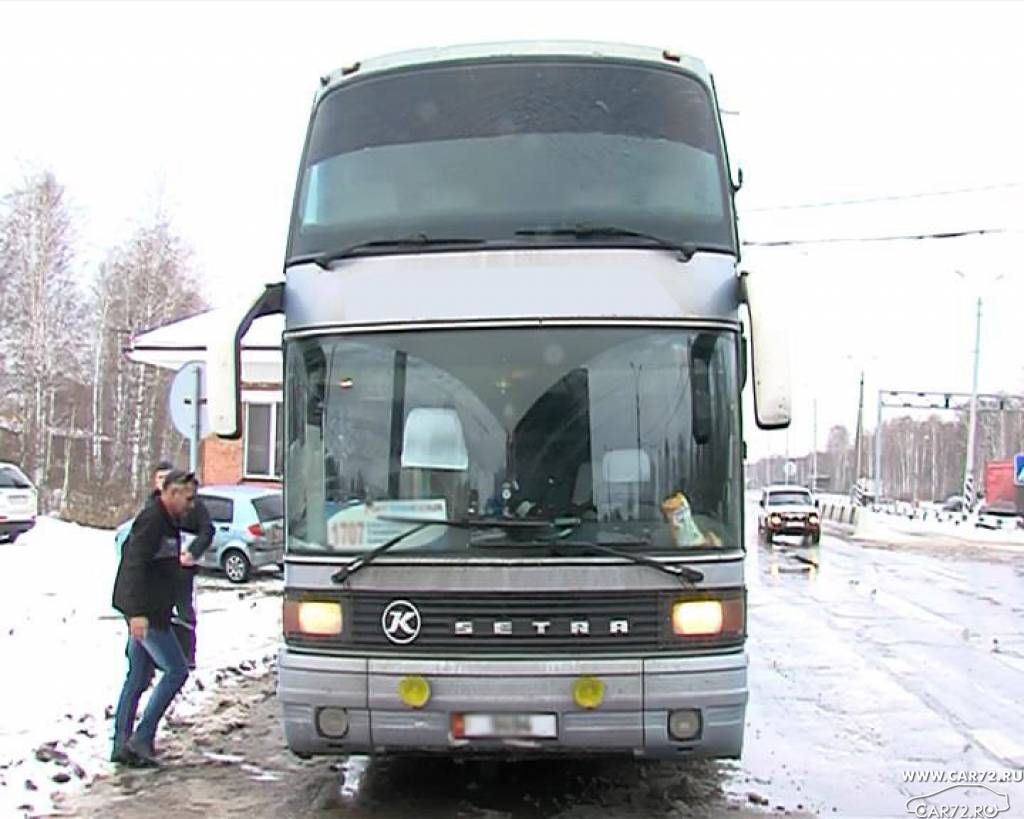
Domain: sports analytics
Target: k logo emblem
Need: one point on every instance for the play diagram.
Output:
(401, 622)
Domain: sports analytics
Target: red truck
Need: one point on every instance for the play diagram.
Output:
(1001, 492)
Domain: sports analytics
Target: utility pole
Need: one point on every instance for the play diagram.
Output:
(860, 432)
(814, 449)
(878, 451)
(973, 422)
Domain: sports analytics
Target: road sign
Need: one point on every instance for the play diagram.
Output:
(188, 383)
(790, 469)
(187, 405)
(1018, 469)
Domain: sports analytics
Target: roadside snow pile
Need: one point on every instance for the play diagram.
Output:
(63, 651)
(888, 527)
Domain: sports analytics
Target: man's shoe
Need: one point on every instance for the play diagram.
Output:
(124, 756)
(143, 756)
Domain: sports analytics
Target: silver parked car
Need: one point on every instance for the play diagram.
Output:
(248, 523)
(19, 502)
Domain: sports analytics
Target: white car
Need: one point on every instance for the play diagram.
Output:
(19, 502)
(788, 510)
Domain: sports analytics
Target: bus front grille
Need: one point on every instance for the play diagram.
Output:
(495, 623)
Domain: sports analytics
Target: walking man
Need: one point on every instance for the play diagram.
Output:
(148, 580)
(195, 521)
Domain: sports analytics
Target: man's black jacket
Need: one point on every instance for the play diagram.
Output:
(149, 572)
(196, 521)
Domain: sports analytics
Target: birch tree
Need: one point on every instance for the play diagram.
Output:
(143, 284)
(44, 313)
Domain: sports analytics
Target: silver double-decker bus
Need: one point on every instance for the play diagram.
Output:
(515, 341)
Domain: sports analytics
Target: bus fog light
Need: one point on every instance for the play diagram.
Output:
(332, 722)
(588, 692)
(414, 691)
(684, 724)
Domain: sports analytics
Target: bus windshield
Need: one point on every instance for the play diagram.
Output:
(488, 151)
(633, 434)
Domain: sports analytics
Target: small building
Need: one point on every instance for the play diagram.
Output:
(257, 457)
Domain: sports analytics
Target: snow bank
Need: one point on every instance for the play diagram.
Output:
(63, 651)
(899, 525)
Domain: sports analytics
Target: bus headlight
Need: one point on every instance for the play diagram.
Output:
(775, 520)
(720, 616)
(321, 618)
(692, 618)
(812, 519)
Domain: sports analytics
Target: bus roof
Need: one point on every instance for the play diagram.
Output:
(523, 48)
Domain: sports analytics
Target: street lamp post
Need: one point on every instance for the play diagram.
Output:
(878, 450)
(973, 422)
(860, 432)
(814, 449)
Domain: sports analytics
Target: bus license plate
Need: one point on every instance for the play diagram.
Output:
(535, 726)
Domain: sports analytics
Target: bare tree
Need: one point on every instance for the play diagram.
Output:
(143, 284)
(840, 456)
(922, 458)
(44, 313)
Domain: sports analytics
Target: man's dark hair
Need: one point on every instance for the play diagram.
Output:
(163, 466)
(178, 477)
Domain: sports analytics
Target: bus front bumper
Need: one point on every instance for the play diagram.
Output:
(639, 697)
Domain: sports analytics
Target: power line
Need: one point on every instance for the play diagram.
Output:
(891, 198)
(956, 234)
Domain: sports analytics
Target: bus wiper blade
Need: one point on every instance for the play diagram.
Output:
(585, 231)
(325, 260)
(342, 575)
(419, 524)
(684, 574)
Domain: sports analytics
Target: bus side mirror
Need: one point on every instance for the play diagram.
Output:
(769, 354)
(222, 390)
(224, 359)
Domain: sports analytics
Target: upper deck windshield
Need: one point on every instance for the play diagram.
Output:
(481, 150)
(630, 435)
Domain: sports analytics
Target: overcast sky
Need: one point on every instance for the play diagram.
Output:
(201, 109)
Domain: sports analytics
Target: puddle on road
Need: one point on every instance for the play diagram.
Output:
(529, 788)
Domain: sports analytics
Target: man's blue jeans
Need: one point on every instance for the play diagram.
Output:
(160, 650)
(185, 615)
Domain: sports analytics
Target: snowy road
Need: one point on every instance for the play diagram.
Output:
(867, 665)
(878, 662)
